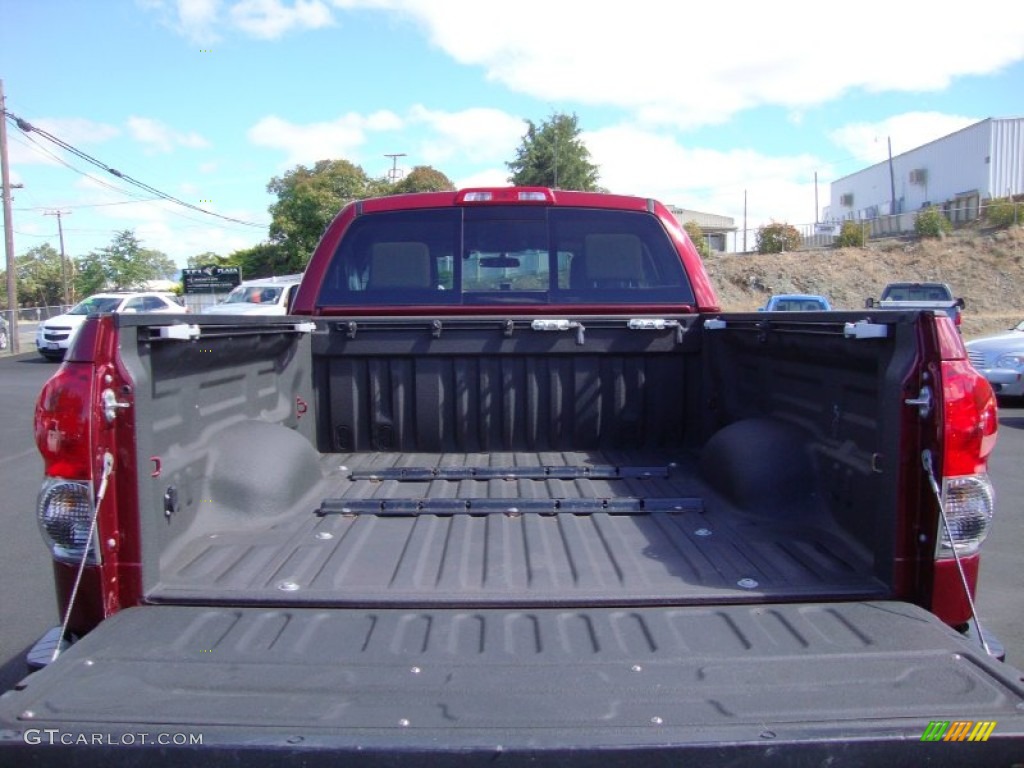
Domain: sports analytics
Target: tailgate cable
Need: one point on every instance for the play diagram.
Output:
(108, 468)
(926, 459)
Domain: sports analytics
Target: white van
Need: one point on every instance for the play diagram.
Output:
(268, 296)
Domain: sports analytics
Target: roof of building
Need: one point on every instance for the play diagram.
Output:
(706, 221)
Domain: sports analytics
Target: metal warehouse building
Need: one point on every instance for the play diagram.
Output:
(958, 173)
(714, 226)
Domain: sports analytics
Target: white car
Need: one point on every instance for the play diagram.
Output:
(54, 336)
(269, 296)
(1000, 359)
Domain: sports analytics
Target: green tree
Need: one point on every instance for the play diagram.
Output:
(40, 276)
(931, 222)
(124, 264)
(778, 237)
(851, 234)
(265, 260)
(307, 200)
(210, 259)
(422, 178)
(553, 155)
(697, 236)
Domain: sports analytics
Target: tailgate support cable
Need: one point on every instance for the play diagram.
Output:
(108, 468)
(926, 459)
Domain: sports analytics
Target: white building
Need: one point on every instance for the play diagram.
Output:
(714, 226)
(958, 173)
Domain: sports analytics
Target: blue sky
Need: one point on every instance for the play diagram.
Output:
(207, 100)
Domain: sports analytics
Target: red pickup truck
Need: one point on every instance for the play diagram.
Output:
(507, 485)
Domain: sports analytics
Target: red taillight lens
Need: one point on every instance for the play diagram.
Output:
(970, 422)
(62, 422)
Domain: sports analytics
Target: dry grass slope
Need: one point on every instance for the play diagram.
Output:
(985, 267)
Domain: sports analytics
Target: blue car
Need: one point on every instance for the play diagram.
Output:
(796, 302)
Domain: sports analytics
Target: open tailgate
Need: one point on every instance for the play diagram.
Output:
(805, 684)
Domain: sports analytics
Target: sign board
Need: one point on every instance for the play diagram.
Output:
(210, 279)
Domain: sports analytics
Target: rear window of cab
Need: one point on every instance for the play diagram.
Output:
(505, 255)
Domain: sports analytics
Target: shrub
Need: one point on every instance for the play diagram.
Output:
(1003, 212)
(778, 237)
(851, 235)
(932, 223)
(697, 236)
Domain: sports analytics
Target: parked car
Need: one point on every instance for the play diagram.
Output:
(269, 296)
(54, 336)
(796, 302)
(937, 297)
(1000, 359)
(5, 333)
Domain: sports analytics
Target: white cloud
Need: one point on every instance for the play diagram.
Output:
(477, 135)
(269, 19)
(711, 181)
(198, 20)
(491, 177)
(868, 142)
(160, 138)
(320, 141)
(196, 17)
(205, 21)
(691, 64)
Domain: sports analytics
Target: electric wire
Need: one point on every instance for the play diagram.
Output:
(26, 127)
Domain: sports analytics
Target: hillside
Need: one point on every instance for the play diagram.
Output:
(986, 268)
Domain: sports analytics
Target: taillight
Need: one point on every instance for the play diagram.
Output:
(62, 421)
(969, 425)
(970, 421)
(62, 429)
(65, 515)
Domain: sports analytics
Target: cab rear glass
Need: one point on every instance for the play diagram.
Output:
(505, 255)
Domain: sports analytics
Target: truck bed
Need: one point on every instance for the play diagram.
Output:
(391, 463)
(581, 528)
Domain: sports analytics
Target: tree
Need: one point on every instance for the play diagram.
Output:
(307, 200)
(778, 237)
(697, 236)
(553, 155)
(123, 264)
(40, 277)
(422, 178)
(210, 259)
(264, 260)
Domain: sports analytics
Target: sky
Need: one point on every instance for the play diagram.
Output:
(705, 106)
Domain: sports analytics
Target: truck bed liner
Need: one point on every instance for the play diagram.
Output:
(840, 683)
(587, 528)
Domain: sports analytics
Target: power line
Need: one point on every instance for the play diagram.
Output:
(25, 127)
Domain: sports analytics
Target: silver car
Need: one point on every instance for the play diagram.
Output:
(1000, 359)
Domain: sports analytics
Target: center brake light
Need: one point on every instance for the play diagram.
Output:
(505, 195)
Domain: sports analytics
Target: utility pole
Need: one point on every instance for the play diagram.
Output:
(744, 221)
(393, 174)
(63, 261)
(892, 181)
(815, 198)
(5, 181)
